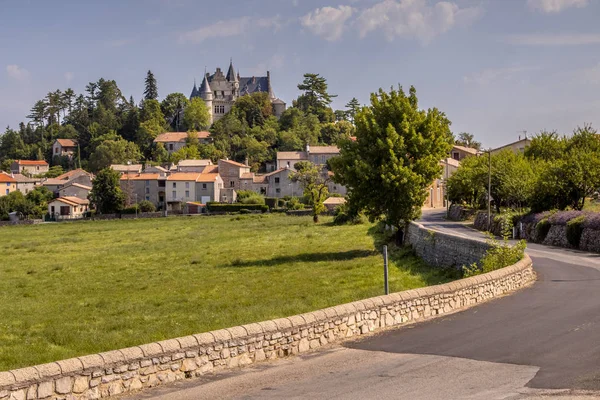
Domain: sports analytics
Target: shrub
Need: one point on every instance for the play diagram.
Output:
(146, 206)
(294, 204)
(343, 214)
(563, 217)
(218, 207)
(541, 229)
(271, 202)
(500, 255)
(574, 230)
(131, 210)
(250, 197)
(592, 221)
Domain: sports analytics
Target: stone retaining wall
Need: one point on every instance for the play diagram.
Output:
(114, 372)
(444, 250)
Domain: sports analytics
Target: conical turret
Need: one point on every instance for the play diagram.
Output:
(231, 75)
(205, 91)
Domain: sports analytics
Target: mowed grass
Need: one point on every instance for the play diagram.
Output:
(72, 289)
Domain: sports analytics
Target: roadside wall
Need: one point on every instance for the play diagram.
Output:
(114, 372)
(444, 250)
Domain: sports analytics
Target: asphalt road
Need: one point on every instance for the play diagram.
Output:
(541, 342)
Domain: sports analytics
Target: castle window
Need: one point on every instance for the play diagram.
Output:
(223, 93)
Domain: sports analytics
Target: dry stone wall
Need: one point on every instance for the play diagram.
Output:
(111, 373)
(443, 249)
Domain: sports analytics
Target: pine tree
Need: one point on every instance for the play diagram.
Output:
(151, 90)
(353, 106)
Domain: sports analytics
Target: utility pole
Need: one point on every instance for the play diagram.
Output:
(489, 189)
(446, 190)
(385, 270)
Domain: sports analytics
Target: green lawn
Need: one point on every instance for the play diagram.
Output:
(77, 288)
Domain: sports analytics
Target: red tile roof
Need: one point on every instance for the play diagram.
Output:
(67, 142)
(5, 178)
(207, 177)
(237, 164)
(139, 177)
(183, 176)
(178, 136)
(68, 175)
(31, 162)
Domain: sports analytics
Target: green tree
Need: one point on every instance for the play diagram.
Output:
(254, 108)
(468, 185)
(196, 116)
(315, 99)
(352, 108)
(106, 194)
(151, 87)
(114, 152)
(40, 196)
(333, 132)
(546, 146)
(172, 108)
(395, 157)
(314, 183)
(467, 140)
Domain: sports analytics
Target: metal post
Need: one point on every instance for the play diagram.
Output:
(385, 270)
(446, 190)
(136, 205)
(489, 189)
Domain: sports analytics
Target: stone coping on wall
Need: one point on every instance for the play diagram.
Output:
(139, 367)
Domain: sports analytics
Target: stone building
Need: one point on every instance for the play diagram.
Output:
(220, 91)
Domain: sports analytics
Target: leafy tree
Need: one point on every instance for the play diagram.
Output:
(114, 152)
(15, 201)
(314, 182)
(254, 108)
(352, 108)
(151, 87)
(512, 180)
(40, 196)
(185, 153)
(159, 153)
(196, 116)
(546, 146)
(172, 108)
(340, 115)
(468, 185)
(332, 133)
(315, 99)
(395, 157)
(106, 194)
(467, 140)
(12, 146)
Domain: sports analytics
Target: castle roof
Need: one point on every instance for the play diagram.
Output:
(254, 84)
(205, 87)
(231, 76)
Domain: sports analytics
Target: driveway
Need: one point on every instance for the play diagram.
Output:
(541, 342)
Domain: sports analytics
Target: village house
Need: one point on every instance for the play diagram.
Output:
(26, 184)
(208, 187)
(459, 153)
(156, 169)
(127, 168)
(29, 167)
(181, 188)
(68, 208)
(75, 190)
(317, 155)
(174, 141)
(54, 184)
(333, 202)
(279, 184)
(77, 176)
(233, 173)
(8, 184)
(64, 148)
(516, 147)
(144, 186)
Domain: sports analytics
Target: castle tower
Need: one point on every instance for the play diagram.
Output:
(233, 78)
(207, 95)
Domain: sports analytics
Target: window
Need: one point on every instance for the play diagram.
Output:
(56, 150)
(174, 194)
(147, 183)
(455, 155)
(204, 186)
(147, 190)
(223, 93)
(170, 146)
(187, 193)
(215, 93)
(288, 164)
(161, 183)
(231, 183)
(276, 180)
(8, 184)
(147, 198)
(174, 185)
(278, 190)
(7, 191)
(335, 188)
(187, 185)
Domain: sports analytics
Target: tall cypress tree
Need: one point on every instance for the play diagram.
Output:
(151, 90)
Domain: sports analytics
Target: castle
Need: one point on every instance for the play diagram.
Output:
(219, 92)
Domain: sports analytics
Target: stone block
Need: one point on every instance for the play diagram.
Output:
(187, 342)
(297, 321)
(283, 323)
(20, 394)
(115, 388)
(81, 384)
(132, 353)
(237, 332)
(113, 357)
(136, 384)
(64, 385)
(6, 378)
(170, 345)
(70, 366)
(25, 374)
(222, 335)
(45, 389)
(320, 316)
(205, 339)
(304, 345)
(47, 370)
(151, 349)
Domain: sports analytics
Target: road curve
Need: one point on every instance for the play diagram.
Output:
(541, 341)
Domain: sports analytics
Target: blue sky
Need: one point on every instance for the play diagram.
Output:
(496, 67)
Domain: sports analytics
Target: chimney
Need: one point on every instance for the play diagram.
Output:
(519, 137)
(246, 162)
(307, 148)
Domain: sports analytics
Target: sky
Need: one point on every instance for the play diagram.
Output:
(497, 68)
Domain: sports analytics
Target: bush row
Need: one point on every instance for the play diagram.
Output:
(218, 207)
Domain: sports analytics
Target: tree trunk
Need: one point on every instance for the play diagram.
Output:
(316, 218)
(399, 236)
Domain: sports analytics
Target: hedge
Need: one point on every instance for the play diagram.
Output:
(218, 207)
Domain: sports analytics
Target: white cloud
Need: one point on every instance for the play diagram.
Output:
(414, 18)
(491, 75)
(69, 76)
(553, 39)
(555, 6)
(327, 22)
(275, 62)
(16, 72)
(229, 28)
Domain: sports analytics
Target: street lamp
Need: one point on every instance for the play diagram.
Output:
(489, 189)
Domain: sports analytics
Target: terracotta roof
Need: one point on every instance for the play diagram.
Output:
(466, 149)
(324, 150)
(79, 185)
(67, 142)
(31, 162)
(450, 161)
(73, 201)
(291, 155)
(54, 181)
(139, 177)
(126, 168)
(178, 136)
(247, 175)
(335, 200)
(5, 178)
(211, 169)
(68, 175)
(194, 163)
(235, 163)
(183, 176)
(207, 177)
(353, 138)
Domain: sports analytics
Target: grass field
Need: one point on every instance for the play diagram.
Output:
(71, 289)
